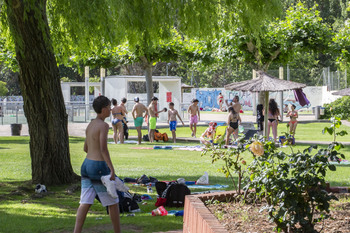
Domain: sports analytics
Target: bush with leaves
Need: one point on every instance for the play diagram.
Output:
(339, 107)
(336, 123)
(233, 162)
(293, 185)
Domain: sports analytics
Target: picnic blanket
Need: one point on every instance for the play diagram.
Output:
(215, 186)
(341, 163)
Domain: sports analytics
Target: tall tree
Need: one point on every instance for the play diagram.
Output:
(40, 84)
(82, 26)
(301, 30)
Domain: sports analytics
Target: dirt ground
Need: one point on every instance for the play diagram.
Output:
(237, 217)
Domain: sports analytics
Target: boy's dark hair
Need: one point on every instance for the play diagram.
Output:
(100, 102)
(171, 104)
(154, 98)
(293, 105)
(195, 100)
(236, 97)
(124, 100)
(114, 101)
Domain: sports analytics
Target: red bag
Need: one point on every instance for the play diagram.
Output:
(160, 201)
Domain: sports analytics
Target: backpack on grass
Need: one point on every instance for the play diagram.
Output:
(172, 195)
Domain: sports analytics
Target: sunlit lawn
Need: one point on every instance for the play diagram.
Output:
(22, 211)
(304, 132)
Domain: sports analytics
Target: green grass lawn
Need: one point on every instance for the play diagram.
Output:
(304, 132)
(23, 211)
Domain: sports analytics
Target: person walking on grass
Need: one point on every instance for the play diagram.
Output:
(97, 164)
(172, 114)
(194, 116)
(293, 120)
(153, 115)
(137, 113)
(117, 122)
(233, 121)
(273, 115)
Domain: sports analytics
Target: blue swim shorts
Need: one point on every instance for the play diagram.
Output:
(172, 125)
(91, 185)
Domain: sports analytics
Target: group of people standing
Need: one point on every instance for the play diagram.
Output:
(274, 116)
(139, 113)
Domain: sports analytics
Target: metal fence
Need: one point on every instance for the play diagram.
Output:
(13, 113)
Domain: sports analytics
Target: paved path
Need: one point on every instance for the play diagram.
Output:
(78, 129)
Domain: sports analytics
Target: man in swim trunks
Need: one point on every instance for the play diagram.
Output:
(193, 110)
(137, 114)
(172, 114)
(96, 164)
(235, 104)
(153, 114)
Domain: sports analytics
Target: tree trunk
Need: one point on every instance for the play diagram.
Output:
(147, 65)
(42, 96)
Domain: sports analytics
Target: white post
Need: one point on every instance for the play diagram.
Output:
(329, 79)
(346, 79)
(281, 93)
(254, 95)
(87, 101)
(266, 107)
(102, 75)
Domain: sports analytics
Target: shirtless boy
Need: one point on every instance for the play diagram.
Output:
(172, 114)
(97, 164)
(137, 114)
(153, 114)
(193, 110)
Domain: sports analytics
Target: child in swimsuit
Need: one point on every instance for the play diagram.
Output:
(97, 164)
(193, 110)
(233, 121)
(208, 133)
(293, 120)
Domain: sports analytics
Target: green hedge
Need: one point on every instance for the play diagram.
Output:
(339, 107)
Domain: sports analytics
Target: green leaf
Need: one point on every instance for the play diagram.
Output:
(332, 167)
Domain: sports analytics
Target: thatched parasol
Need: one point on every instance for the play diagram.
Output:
(342, 92)
(265, 83)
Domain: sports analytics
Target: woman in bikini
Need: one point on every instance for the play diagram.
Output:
(293, 120)
(233, 121)
(221, 101)
(117, 122)
(273, 115)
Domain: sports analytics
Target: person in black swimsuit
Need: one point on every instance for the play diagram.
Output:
(233, 122)
(273, 115)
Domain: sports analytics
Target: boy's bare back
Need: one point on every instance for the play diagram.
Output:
(139, 109)
(96, 139)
